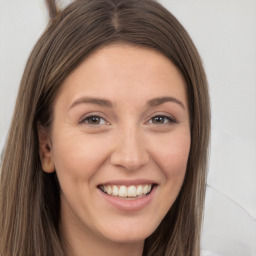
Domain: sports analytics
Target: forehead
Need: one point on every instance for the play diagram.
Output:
(122, 71)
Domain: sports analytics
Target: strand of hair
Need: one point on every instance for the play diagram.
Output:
(52, 8)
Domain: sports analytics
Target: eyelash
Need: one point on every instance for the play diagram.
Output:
(90, 117)
(167, 120)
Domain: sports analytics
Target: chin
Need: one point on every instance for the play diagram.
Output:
(129, 231)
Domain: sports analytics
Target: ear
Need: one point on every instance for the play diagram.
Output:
(45, 149)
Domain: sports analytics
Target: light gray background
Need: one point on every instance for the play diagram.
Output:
(225, 34)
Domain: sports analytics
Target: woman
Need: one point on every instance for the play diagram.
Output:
(107, 150)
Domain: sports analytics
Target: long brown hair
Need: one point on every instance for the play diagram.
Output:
(29, 197)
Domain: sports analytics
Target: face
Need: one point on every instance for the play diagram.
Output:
(119, 143)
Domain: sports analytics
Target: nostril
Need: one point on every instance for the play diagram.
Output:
(130, 160)
(128, 164)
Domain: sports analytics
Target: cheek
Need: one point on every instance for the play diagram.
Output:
(77, 158)
(171, 156)
(172, 153)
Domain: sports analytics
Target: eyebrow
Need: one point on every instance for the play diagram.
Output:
(107, 103)
(161, 100)
(96, 101)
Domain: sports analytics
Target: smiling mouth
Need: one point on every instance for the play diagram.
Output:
(127, 192)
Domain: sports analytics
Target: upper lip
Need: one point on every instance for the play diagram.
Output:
(129, 182)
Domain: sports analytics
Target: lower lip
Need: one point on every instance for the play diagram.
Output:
(130, 205)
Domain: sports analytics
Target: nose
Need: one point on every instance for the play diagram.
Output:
(130, 151)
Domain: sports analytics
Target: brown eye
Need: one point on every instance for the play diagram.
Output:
(162, 120)
(94, 120)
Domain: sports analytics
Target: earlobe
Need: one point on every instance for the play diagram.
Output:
(45, 152)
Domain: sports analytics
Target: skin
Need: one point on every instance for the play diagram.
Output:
(128, 141)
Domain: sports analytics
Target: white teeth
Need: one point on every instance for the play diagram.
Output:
(123, 191)
(139, 190)
(127, 191)
(132, 192)
(145, 189)
(109, 190)
(115, 190)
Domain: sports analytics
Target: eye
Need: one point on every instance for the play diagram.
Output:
(94, 120)
(161, 119)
